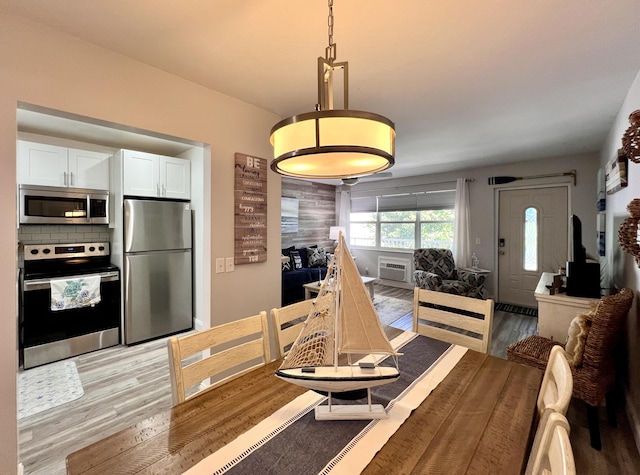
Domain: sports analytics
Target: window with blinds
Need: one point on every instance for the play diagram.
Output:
(404, 220)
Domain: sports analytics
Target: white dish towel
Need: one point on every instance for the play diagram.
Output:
(75, 293)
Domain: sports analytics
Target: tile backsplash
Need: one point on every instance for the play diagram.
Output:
(62, 233)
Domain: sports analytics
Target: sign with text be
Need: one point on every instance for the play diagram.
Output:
(250, 238)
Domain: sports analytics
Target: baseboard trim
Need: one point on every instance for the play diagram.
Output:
(633, 417)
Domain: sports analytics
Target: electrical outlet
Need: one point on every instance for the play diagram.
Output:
(219, 265)
(230, 267)
(477, 241)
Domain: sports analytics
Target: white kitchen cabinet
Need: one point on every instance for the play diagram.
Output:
(52, 165)
(89, 169)
(147, 174)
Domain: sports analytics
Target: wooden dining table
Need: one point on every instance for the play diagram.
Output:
(479, 419)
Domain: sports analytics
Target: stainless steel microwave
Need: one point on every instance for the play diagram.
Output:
(57, 205)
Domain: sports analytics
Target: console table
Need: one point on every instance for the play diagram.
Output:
(555, 312)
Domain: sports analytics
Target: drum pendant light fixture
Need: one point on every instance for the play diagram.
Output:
(332, 143)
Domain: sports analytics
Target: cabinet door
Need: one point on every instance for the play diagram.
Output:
(88, 169)
(141, 174)
(175, 178)
(40, 164)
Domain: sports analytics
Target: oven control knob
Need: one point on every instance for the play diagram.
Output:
(101, 248)
(91, 249)
(46, 250)
(34, 251)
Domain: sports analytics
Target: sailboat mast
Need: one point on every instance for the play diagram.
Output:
(337, 291)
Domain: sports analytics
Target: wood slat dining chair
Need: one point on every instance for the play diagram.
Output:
(286, 332)
(233, 349)
(551, 451)
(461, 320)
(557, 383)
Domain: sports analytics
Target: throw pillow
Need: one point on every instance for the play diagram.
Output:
(317, 257)
(286, 266)
(305, 255)
(296, 260)
(576, 339)
(287, 251)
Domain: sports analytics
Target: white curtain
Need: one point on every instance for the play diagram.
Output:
(461, 245)
(344, 210)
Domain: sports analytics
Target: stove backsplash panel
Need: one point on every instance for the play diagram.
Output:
(62, 233)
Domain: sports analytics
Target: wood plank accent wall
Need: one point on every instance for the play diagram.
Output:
(316, 213)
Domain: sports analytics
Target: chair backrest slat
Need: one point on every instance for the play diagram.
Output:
(245, 346)
(283, 316)
(450, 313)
(557, 383)
(551, 451)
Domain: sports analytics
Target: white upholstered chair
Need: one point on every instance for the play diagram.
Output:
(287, 332)
(551, 451)
(227, 351)
(557, 383)
(456, 319)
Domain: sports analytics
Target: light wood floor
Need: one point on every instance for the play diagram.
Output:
(124, 385)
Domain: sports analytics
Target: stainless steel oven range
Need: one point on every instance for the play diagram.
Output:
(49, 334)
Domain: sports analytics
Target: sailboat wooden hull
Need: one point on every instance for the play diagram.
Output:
(340, 379)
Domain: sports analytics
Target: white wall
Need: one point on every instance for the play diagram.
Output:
(621, 267)
(45, 68)
(482, 199)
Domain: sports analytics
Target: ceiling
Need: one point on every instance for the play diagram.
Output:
(467, 83)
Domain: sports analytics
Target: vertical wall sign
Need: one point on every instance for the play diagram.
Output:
(250, 209)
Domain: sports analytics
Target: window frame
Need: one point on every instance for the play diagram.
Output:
(417, 230)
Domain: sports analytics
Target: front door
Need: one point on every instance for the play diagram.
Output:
(532, 239)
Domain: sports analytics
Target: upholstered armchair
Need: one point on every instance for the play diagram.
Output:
(434, 269)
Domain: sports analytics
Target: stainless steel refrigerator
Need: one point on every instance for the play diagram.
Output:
(157, 269)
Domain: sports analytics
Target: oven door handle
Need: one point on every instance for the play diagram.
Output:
(40, 284)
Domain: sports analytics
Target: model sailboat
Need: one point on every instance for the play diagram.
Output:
(342, 325)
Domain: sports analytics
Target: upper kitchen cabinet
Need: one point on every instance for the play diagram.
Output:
(51, 165)
(147, 174)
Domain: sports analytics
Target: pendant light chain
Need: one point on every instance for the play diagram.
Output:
(330, 52)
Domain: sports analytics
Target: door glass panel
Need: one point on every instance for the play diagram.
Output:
(530, 244)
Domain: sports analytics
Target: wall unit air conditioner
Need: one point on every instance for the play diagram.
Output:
(390, 268)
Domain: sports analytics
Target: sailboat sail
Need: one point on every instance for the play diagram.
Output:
(343, 296)
(361, 331)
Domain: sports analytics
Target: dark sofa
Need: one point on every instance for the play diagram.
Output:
(294, 279)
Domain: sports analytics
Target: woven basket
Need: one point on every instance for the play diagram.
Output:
(628, 232)
(631, 138)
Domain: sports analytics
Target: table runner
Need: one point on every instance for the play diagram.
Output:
(291, 441)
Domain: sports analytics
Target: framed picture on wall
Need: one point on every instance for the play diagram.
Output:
(289, 215)
(616, 173)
